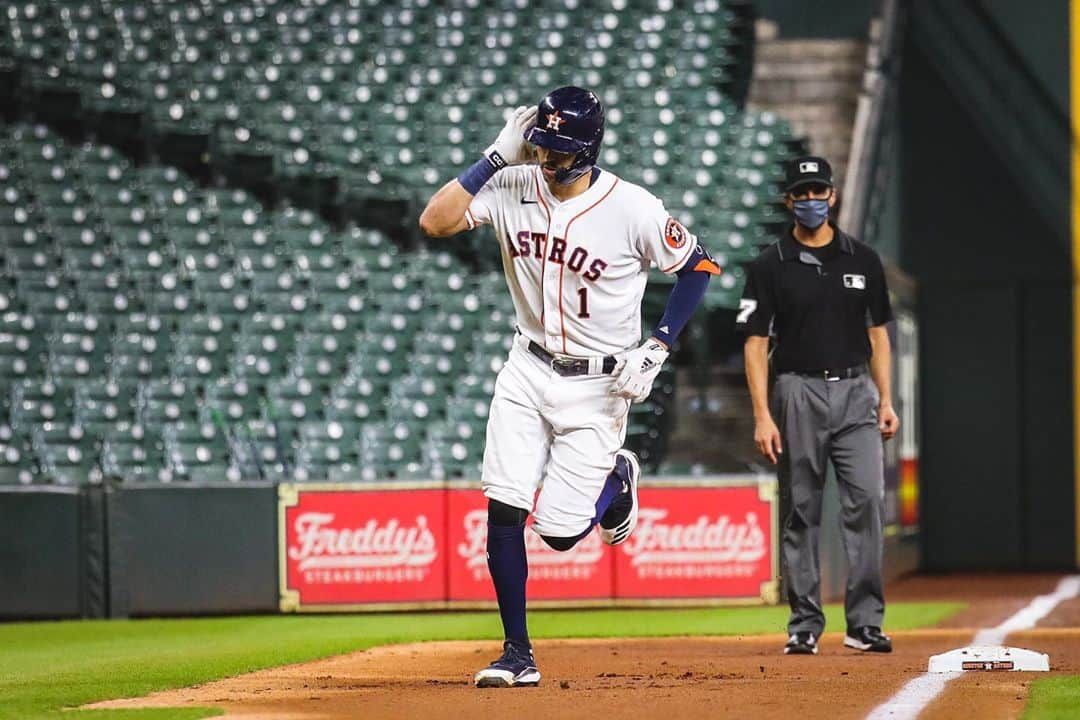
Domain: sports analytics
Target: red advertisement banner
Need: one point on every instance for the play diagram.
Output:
(704, 542)
(585, 572)
(346, 547)
(384, 546)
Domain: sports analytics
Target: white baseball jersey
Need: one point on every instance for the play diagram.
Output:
(577, 268)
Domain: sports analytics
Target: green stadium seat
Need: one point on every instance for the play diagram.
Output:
(274, 452)
(133, 459)
(475, 385)
(353, 409)
(373, 387)
(282, 302)
(417, 398)
(17, 463)
(319, 367)
(261, 356)
(444, 339)
(328, 451)
(141, 356)
(453, 458)
(85, 230)
(353, 302)
(438, 366)
(403, 325)
(34, 402)
(197, 451)
(283, 325)
(199, 357)
(329, 334)
(387, 447)
(99, 403)
(468, 410)
(488, 345)
(46, 294)
(22, 343)
(163, 401)
(236, 400)
(14, 366)
(299, 399)
(68, 454)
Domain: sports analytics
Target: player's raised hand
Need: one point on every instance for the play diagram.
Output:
(510, 147)
(639, 370)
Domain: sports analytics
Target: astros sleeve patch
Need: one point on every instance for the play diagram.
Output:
(662, 239)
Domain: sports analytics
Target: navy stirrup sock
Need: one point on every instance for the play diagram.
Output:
(509, 570)
(612, 487)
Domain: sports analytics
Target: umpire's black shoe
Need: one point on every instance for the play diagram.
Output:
(869, 639)
(801, 643)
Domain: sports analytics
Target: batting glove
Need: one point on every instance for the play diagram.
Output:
(510, 147)
(639, 370)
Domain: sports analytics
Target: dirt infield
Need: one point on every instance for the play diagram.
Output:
(682, 677)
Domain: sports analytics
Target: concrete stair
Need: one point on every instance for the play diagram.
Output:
(814, 85)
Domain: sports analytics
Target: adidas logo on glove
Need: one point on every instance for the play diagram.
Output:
(640, 368)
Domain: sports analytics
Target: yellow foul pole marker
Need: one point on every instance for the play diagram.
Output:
(1074, 122)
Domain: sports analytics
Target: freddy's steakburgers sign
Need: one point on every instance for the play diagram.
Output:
(372, 546)
(716, 542)
(342, 547)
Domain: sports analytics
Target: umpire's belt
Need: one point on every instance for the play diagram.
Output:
(568, 366)
(832, 375)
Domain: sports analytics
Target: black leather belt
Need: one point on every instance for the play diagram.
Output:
(566, 366)
(831, 375)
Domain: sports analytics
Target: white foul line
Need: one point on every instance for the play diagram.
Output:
(911, 699)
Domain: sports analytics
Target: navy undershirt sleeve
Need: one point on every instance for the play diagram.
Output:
(690, 286)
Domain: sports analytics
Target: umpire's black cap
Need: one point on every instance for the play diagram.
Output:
(808, 170)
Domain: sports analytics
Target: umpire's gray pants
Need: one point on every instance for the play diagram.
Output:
(820, 420)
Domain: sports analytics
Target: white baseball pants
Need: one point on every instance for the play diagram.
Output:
(554, 434)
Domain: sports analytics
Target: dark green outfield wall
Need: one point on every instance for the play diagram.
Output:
(137, 550)
(1038, 32)
(986, 235)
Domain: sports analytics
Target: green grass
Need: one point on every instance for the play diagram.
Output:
(1054, 699)
(45, 667)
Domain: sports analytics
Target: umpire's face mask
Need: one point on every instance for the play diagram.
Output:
(811, 213)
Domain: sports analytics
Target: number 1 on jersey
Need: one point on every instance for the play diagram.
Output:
(583, 302)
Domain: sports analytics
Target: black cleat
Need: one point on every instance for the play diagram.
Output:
(868, 638)
(801, 643)
(516, 668)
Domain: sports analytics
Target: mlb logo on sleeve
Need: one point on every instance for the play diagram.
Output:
(855, 282)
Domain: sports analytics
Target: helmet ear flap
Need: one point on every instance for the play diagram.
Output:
(583, 163)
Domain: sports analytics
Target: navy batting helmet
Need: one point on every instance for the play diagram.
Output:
(570, 120)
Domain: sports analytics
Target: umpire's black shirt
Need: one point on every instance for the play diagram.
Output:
(817, 301)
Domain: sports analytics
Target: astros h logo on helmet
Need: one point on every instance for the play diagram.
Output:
(554, 121)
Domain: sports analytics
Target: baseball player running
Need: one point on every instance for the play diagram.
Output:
(576, 243)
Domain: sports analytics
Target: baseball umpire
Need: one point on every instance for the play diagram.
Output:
(577, 243)
(822, 295)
